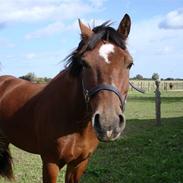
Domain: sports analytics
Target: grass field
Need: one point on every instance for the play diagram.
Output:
(144, 154)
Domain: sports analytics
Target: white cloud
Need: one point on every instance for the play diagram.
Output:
(45, 63)
(30, 56)
(46, 31)
(97, 3)
(155, 49)
(165, 50)
(147, 35)
(55, 27)
(173, 20)
(5, 43)
(36, 10)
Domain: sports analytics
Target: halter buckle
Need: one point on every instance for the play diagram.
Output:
(87, 97)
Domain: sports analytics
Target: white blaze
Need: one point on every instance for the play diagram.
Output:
(105, 50)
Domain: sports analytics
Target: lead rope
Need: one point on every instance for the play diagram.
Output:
(136, 88)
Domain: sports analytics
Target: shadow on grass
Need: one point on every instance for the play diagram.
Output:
(137, 126)
(145, 153)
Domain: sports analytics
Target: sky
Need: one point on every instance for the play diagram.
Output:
(36, 35)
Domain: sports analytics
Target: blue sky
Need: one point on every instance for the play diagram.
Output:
(35, 35)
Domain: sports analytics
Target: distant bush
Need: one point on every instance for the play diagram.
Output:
(29, 77)
(32, 77)
(155, 76)
(138, 76)
(169, 79)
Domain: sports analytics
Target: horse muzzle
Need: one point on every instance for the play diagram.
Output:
(108, 127)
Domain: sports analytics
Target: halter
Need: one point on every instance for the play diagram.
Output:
(89, 93)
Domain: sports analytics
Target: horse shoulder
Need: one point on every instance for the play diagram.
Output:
(77, 146)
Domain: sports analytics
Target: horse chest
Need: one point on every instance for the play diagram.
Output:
(76, 147)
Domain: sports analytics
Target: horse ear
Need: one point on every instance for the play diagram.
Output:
(124, 26)
(86, 32)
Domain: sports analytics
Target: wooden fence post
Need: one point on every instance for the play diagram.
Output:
(158, 103)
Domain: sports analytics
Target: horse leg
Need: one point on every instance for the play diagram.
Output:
(50, 170)
(5, 158)
(74, 171)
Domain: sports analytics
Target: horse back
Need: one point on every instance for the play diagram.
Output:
(14, 93)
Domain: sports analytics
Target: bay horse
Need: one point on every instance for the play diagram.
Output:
(64, 120)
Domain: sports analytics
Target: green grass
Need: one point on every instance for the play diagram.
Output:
(150, 154)
(146, 153)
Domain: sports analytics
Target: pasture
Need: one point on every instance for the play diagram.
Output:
(144, 154)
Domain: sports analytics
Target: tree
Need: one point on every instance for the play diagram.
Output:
(29, 77)
(155, 76)
(169, 79)
(139, 76)
(33, 78)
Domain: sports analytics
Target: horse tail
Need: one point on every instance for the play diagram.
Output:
(5, 159)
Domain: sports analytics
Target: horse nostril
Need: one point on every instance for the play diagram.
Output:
(121, 120)
(97, 121)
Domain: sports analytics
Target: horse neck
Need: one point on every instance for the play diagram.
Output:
(66, 95)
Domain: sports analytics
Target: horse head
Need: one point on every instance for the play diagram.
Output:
(102, 62)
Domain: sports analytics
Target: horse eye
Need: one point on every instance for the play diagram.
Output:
(129, 66)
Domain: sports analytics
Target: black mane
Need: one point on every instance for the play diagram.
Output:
(101, 33)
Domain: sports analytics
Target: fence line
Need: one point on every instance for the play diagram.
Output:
(164, 85)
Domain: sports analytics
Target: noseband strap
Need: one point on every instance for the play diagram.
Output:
(88, 94)
(106, 87)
